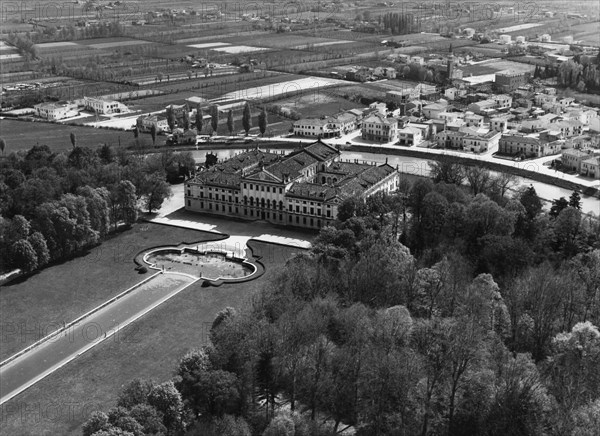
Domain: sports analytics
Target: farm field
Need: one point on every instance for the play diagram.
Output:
(22, 135)
(150, 348)
(216, 87)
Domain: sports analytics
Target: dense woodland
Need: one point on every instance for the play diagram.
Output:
(54, 206)
(457, 306)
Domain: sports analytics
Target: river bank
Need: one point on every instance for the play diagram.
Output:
(493, 166)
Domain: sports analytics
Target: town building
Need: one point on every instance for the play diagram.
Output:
(491, 104)
(402, 95)
(527, 146)
(315, 128)
(543, 99)
(591, 167)
(510, 81)
(453, 93)
(344, 122)
(499, 123)
(103, 106)
(376, 127)
(566, 128)
(301, 189)
(160, 123)
(572, 158)
(433, 110)
(410, 136)
(467, 139)
(473, 120)
(56, 111)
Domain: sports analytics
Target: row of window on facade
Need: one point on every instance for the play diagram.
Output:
(268, 204)
(262, 188)
(262, 214)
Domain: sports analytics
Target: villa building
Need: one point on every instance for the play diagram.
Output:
(56, 111)
(302, 189)
(103, 106)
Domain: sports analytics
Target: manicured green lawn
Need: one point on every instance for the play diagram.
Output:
(34, 307)
(150, 348)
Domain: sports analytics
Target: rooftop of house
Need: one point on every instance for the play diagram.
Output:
(376, 117)
(312, 122)
(52, 105)
(410, 130)
(359, 177)
(594, 160)
(521, 139)
(576, 153)
(345, 117)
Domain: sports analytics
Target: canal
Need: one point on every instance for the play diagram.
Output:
(419, 167)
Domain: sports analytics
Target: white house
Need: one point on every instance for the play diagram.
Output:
(104, 106)
(591, 167)
(315, 128)
(499, 123)
(56, 111)
(473, 120)
(376, 127)
(410, 136)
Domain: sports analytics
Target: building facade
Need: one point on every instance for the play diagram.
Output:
(573, 158)
(410, 136)
(510, 81)
(160, 122)
(591, 167)
(379, 128)
(102, 106)
(301, 189)
(56, 111)
(316, 128)
(527, 146)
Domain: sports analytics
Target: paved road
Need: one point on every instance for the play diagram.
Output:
(109, 323)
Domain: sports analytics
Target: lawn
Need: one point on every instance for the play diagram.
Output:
(151, 348)
(65, 291)
(22, 135)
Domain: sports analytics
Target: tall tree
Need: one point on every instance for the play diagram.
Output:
(262, 121)
(153, 134)
(171, 119)
(199, 119)
(186, 117)
(158, 191)
(575, 200)
(72, 136)
(230, 125)
(247, 118)
(214, 118)
(2, 145)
